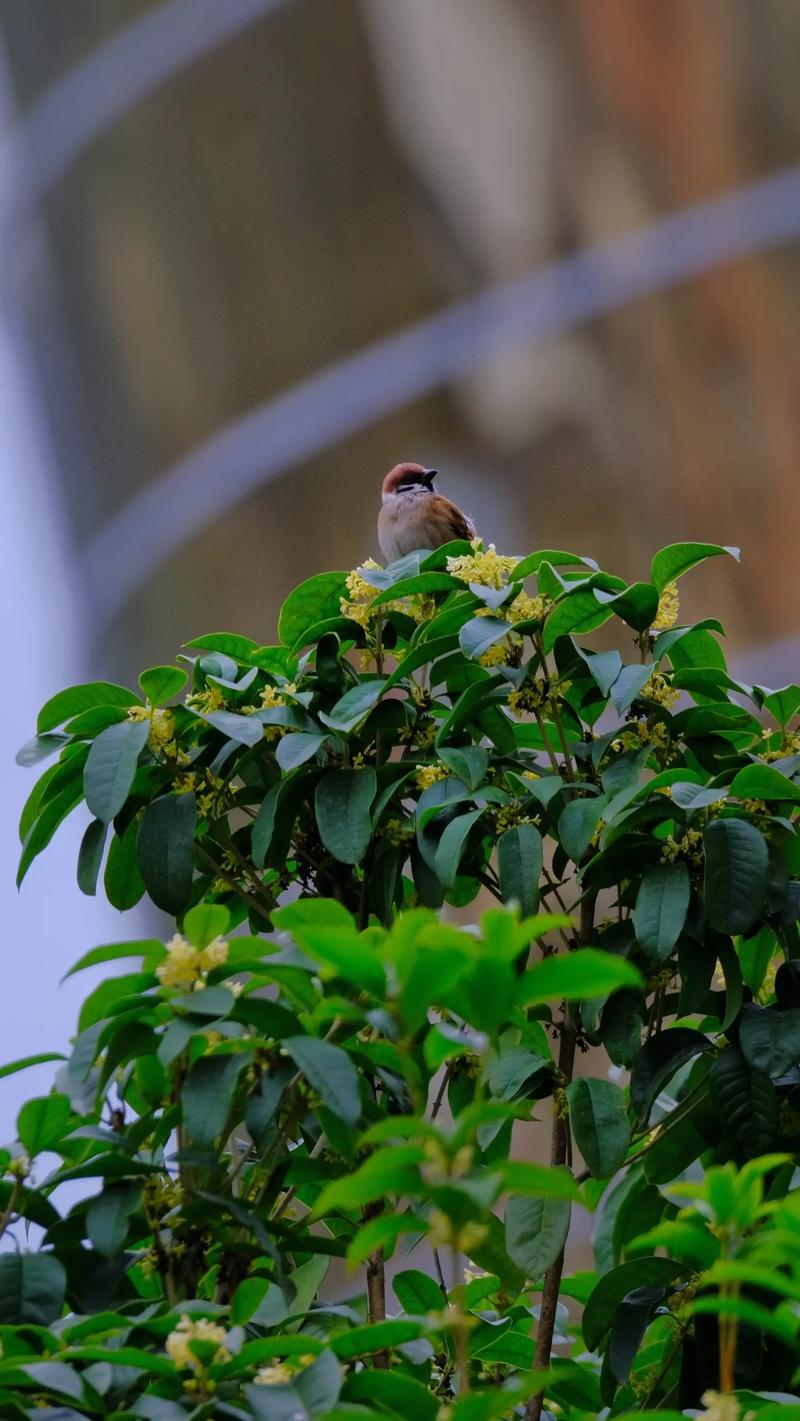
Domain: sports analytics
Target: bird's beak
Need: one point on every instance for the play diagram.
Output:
(430, 475)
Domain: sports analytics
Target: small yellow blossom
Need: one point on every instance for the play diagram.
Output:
(358, 761)
(270, 698)
(531, 775)
(527, 609)
(656, 734)
(186, 783)
(19, 1167)
(496, 655)
(658, 689)
(360, 595)
(214, 954)
(211, 699)
(185, 966)
(201, 1330)
(536, 693)
(689, 847)
(754, 806)
(719, 1407)
(162, 726)
(428, 775)
(396, 832)
(278, 1375)
(485, 566)
(668, 608)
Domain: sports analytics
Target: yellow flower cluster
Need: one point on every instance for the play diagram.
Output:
(536, 693)
(200, 1330)
(658, 689)
(186, 966)
(497, 655)
(689, 846)
(428, 775)
(668, 609)
(281, 1373)
(509, 815)
(211, 799)
(789, 746)
(360, 595)
(527, 609)
(443, 1233)
(211, 699)
(485, 566)
(719, 1407)
(396, 832)
(162, 728)
(655, 734)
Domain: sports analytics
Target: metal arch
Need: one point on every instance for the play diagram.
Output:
(115, 77)
(359, 389)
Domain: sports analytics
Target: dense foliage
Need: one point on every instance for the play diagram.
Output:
(300, 1127)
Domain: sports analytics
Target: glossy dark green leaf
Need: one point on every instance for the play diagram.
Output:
(477, 635)
(672, 562)
(241, 648)
(44, 827)
(75, 699)
(122, 880)
(312, 1392)
(32, 1288)
(622, 1023)
(661, 907)
(735, 874)
(631, 1320)
(636, 605)
(469, 763)
(416, 1292)
(295, 749)
(657, 1063)
(41, 1122)
(599, 1123)
(108, 1215)
(314, 600)
(627, 686)
(38, 748)
(354, 706)
(782, 704)
(392, 1392)
(577, 976)
(244, 729)
(746, 1103)
(165, 849)
(161, 683)
(598, 1314)
(342, 804)
(208, 1093)
(111, 765)
(536, 1231)
(577, 613)
(764, 782)
(90, 856)
(452, 846)
(755, 954)
(577, 824)
(331, 1073)
(519, 866)
(770, 1039)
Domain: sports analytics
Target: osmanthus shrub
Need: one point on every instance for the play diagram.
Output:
(320, 1074)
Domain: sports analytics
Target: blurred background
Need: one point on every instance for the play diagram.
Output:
(254, 252)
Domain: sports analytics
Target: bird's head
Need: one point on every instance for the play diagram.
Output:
(407, 476)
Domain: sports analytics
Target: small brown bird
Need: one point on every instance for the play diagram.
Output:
(412, 516)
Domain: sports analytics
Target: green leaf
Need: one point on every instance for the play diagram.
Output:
(90, 856)
(599, 1123)
(380, 1235)
(746, 1103)
(636, 605)
(295, 749)
(764, 782)
(579, 975)
(353, 707)
(80, 698)
(755, 954)
(628, 685)
(577, 613)
(41, 1123)
(394, 1169)
(477, 635)
(577, 824)
(621, 1026)
(536, 1231)
(311, 1392)
(392, 1393)
(657, 1063)
(57, 1377)
(519, 865)
(108, 1215)
(452, 845)
(542, 1180)
(111, 765)
(32, 1288)
(331, 1073)
(149, 949)
(598, 1314)
(207, 1095)
(161, 683)
(661, 907)
(205, 922)
(469, 764)
(44, 827)
(416, 1292)
(122, 880)
(38, 748)
(672, 562)
(377, 1337)
(736, 874)
(782, 704)
(241, 648)
(25, 1061)
(343, 950)
(244, 729)
(165, 850)
(421, 582)
(315, 600)
(770, 1039)
(342, 803)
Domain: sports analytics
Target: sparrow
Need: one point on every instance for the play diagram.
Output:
(412, 516)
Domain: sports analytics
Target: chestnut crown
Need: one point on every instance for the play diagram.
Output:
(406, 476)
